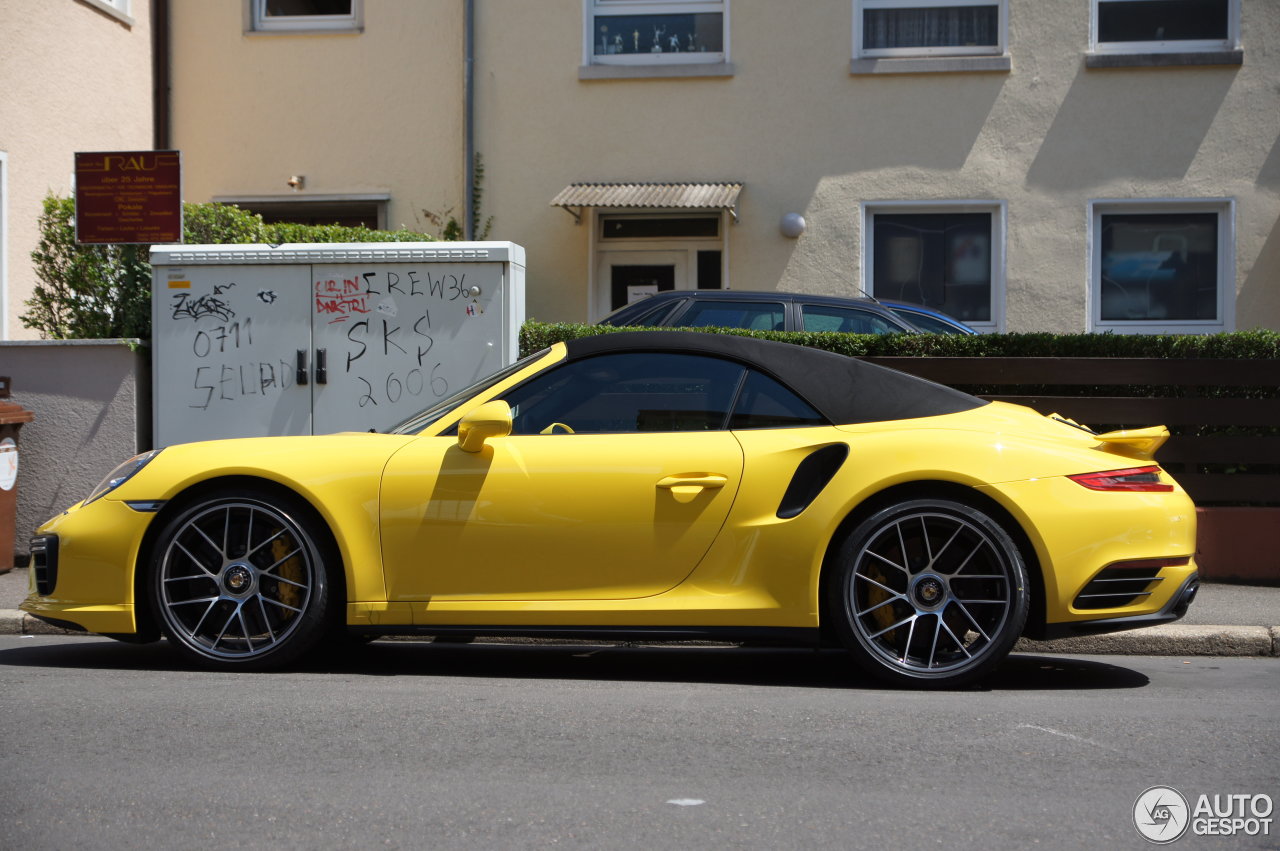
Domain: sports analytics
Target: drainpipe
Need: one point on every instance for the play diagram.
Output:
(160, 74)
(468, 118)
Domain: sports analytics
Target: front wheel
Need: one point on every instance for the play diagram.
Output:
(240, 579)
(929, 592)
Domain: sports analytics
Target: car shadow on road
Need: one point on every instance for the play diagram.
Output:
(760, 666)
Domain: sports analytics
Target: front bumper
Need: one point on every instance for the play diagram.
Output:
(82, 568)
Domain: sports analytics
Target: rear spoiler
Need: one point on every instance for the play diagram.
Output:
(1135, 443)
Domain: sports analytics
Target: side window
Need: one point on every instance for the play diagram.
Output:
(654, 316)
(764, 403)
(631, 392)
(846, 320)
(756, 316)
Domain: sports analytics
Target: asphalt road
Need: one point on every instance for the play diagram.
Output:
(410, 745)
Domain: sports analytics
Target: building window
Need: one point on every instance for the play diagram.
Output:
(675, 32)
(946, 256)
(922, 28)
(368, 211)
(1161, 267)
(306, 15)
(1165, 26)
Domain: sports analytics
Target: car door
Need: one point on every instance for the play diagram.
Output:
(617, 476)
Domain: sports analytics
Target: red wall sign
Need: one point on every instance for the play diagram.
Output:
(129, 197)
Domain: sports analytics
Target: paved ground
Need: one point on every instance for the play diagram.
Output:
(1225, 620)
(411, 745)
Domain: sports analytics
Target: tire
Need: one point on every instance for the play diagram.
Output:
(241, 580)
(928, 593)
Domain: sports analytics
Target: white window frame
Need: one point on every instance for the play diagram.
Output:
(260, 21)
(590, 8)
(999, 212)
(1225, 208)
(1207, 45)
(115, 8)
(859, 6)
(598, 292)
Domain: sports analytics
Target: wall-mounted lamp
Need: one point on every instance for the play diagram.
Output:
(298, 181)
(792, 225)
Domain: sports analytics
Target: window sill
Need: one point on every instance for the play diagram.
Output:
(932, 65)
(641, 72)
(356, 30)
(1159, 327)
(1163, 60)
(108, 9)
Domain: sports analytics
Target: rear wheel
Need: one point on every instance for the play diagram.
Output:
(929, 592)
(240, 579)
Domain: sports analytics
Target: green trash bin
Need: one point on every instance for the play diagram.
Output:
(12, 416)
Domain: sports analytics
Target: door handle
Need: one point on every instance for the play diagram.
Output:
(302, 367)
(322, 366)
(686, 487)
(696, 480)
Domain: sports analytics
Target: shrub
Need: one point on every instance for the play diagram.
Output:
(103, 291)
(536, 335)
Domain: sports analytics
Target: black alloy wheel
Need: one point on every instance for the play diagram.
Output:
(929, 593)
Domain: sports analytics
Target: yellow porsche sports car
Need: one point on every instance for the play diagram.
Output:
(649, 484)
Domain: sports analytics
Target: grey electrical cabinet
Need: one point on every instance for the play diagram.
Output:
(255, 340)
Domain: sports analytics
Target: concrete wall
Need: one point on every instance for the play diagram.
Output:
(74, 76)
(806, 135)
(372, 112)
(92, 404)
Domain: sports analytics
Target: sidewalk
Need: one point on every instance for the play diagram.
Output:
(1224, 620)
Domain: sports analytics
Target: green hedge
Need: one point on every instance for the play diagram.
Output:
(535, 336)
(101, 291)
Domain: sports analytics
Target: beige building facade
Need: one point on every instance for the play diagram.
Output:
(1065, 166)
(1025, 166)
(75, 75)
(352, 117)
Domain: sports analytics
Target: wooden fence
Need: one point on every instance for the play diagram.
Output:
(1224, 414)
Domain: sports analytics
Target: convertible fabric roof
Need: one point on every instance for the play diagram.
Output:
(843, 389)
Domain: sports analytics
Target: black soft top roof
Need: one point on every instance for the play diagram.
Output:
(843, 389)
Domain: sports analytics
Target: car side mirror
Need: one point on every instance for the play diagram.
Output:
(492, 419)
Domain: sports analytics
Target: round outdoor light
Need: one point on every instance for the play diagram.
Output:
(792, 225)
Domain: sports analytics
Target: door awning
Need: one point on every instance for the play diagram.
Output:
(649, 196)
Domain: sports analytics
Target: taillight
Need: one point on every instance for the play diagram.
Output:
(1143, 479)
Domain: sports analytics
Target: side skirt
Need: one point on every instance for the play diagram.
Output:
(780, 636)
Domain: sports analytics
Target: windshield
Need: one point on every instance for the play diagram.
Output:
(421, 420)
(925, 322)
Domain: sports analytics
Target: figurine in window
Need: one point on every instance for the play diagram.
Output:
(658, 33)
(674, 43)
(691, 47)
(635, 37)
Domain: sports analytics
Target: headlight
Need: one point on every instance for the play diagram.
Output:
(121, 474)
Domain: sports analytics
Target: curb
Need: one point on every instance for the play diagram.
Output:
(1165, 640)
